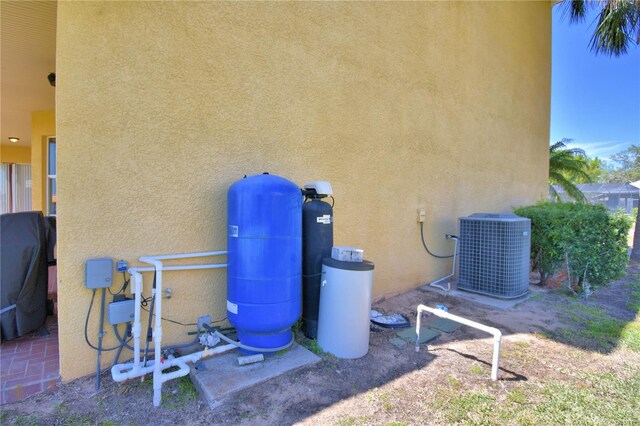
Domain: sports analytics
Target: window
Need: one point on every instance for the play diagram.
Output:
(15, 187)
(51, 177)
(5, 188)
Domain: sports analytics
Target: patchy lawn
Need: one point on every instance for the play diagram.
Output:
(564, 361)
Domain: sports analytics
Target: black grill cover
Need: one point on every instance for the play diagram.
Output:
(23, 273)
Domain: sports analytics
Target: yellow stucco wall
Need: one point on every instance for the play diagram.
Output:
(43, 126)
(15, 154)
(161, 106)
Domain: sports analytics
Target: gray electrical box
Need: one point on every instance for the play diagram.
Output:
(122, 311)
(98, 273)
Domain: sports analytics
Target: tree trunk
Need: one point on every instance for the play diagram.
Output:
(635, 252)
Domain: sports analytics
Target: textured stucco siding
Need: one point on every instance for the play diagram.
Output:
(162, 105)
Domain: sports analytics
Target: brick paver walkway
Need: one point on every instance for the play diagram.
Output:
(29, 364)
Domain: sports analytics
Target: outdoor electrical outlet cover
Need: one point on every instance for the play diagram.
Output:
(421, 215)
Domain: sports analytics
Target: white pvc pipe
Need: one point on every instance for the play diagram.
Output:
(183, 255)
(181, 267)
(497, 334)
(122, 372)
(453, 268)
(157, 333)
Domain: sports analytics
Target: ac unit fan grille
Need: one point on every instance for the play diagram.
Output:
(494, 255)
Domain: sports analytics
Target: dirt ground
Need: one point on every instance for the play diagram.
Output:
(388, 385)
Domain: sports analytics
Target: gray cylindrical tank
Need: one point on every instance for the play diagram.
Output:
(345, 308)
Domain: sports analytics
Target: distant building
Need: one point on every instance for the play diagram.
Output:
(614, 196)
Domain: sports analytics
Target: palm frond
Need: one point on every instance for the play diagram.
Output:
(618, 27)
(554, 194)
(576, 9)
(568, 187)
(565, 165)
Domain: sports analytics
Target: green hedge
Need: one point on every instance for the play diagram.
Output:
(590, 237)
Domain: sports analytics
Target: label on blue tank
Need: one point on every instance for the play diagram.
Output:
(326, 219)
(232, 307)
(233, 231)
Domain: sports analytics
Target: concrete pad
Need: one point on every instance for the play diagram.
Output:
(481, 299)
(222, 376)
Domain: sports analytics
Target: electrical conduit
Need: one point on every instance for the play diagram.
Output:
(453, 267)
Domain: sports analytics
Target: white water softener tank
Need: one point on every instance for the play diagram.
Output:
(345, 307)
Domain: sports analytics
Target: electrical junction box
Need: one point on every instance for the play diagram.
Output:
(122, 265)
(98, 273)
(122, 311)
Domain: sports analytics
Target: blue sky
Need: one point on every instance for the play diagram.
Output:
(595, 100)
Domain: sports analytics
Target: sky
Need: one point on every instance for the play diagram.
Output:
(595, 99)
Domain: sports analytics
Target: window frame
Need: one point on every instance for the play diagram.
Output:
(51, 208)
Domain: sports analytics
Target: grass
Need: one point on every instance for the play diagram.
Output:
(184, 393)
(583, 397)
(454, 382)
(634, 299)
(595, 399)
(476, 369)
(21, 421)
(520, 352)
(593, 327)
(353, 421)
(312, 345)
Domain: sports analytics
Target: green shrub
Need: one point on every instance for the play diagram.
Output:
(592, 240)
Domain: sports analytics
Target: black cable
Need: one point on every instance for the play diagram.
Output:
(124, 285)
(145, 302)
(333, 201)
(117, 358)
(170, 320)
(86, 326)
(149, 324)
(123, 343)
(312, 275)
(427, 248)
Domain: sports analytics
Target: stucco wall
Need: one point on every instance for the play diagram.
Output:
(161, 106)
(43, 126)
(15, 154)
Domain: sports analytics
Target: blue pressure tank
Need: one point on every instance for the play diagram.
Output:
(264, 263)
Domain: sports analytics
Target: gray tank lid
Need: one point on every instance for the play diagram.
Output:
(499, 217)
(365, 265)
